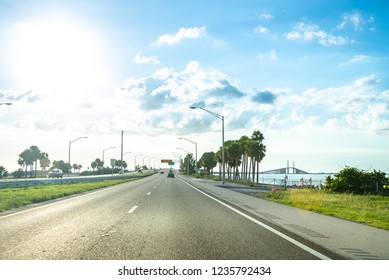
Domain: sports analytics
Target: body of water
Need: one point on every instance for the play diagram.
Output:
(294, 179)
(289, 180)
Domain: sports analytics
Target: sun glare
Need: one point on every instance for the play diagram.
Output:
(54, 56)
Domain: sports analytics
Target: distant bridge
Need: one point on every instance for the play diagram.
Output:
(285, 170)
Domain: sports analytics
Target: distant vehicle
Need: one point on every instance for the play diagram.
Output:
(56, 173)
(170, 174)
(121, 172)
(161, 172)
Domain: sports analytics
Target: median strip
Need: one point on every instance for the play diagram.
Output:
(16, 197)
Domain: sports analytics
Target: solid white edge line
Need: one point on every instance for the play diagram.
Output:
(280, 234)
(132, 209)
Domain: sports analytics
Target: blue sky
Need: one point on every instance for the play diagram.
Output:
(312, 76)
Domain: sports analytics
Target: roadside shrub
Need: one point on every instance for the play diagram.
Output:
(356, 181)
(18, 174)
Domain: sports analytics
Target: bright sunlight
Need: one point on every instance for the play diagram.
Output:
(55, 56)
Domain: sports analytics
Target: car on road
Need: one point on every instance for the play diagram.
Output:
(170, 174)
(55, 173)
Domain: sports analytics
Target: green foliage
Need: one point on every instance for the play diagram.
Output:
(208, 161)
(371, 210)
(97, 163)
(189, 161)
(60, 164)
(17, 197)
(246, 153)
(356, 181)
(3, 172)
(18, 173)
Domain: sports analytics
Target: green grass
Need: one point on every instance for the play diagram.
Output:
(366, 209)
(17, 197)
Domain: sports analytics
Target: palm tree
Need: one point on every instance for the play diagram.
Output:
(93, 165)
(3, 172)
(259, 151)
(218, 158)
(252, 152)
(248, 152)
(44, 161)
(26, 158)
(36, 154)
(234, 155)
(244, 141)
(98, 164)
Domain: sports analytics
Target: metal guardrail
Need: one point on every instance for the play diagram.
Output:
(23, 183)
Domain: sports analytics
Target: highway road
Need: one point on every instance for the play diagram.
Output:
(152, 218)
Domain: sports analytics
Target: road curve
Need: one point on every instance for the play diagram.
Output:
(153, 218)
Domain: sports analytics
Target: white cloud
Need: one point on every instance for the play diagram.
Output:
(265, 16)
(359, 58)
(358, 106)
(297, 114)
(162, 99)
(350, 98)
(309, 32)
(261, 29)
(371, 119)
(139, 58)
(183, 33)
(357, 20)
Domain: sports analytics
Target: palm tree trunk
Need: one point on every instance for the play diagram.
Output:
(257, 172)
(253, 171)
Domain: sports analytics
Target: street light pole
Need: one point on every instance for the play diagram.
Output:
(135, 160)
(195, 150)
(103, 156)
(121, 152)
(220, 117)
(187, 161)
(70, 143)
(143, 161)
(122, 161)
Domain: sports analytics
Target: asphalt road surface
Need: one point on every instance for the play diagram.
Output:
(153, 218)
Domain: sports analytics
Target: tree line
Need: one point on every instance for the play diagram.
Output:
(242, 158)
(29, 158)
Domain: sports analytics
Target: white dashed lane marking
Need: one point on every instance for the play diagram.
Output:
(132, 209)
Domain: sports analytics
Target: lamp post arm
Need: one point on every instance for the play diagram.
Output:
(212, 113)
(70, 143)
